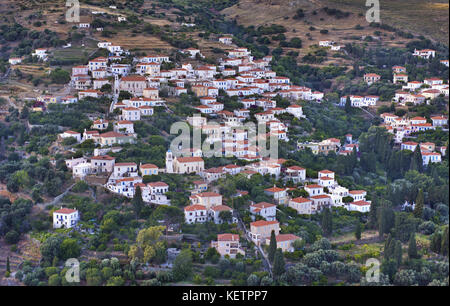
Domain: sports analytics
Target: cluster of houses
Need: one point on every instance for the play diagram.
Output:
(122, 133)
(122, 178)
(430, 153)
(403, 127)
(322, 192)
(326, 193)
(255, 85)
(419, 92)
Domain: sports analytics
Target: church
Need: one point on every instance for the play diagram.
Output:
(181, 165)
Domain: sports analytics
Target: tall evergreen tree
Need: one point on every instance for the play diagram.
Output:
(8, 268)
(138, 202)
(444, 245)
(358, 231)
(327, 222)
(398, 252)
(436, 242)
(272, 246)
(418, 208)
(278, 263)
(373, 214)
(386, 220)
(416, 161)
(412, 247)
(348, 105)
(388, 247)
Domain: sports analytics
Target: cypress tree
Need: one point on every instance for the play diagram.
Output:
(348, 105)
(138, 202)
(278, 263)
(436, 242)
(416, 161)
(444, 245)
(327, 223)
(388, 249)
(398, 252)
(386, 222)
(412, 247)
(8, 268)
(358, 231)
(373, 214)
(272, 246)
(418, 208)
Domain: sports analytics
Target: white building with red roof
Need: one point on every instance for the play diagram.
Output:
(266, 210)
(228, 244)
(207, 199)
(361, 206)
(285, 242)
(302, 205)
(262, 229)
(65, 218)
(148, 169)
(215, 214)
(195, 214)
(278, 194)
(358, 195)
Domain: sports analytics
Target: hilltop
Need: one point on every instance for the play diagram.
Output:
(428, 18)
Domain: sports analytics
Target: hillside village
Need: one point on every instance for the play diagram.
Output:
(111, 143)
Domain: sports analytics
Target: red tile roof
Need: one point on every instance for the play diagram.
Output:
(286, 237)
(65, 211)
(263, 223)
(194, 207)
(227, 237)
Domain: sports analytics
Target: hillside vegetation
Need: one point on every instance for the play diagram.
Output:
(428, 18)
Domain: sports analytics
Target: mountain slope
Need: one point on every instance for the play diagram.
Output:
(429, 18)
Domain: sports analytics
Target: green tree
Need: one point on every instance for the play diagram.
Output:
(444, 246)
(50, 248)
(386, 220)
(226, 216)
(358, 231)
(436, 242)
(412, 247)
(59, 76)
(54, 280)
(389, 247)
(327, 222)
(278, 264)
(8, 268)
(69, 249)
(348, 105)
(182, 265)
(416, 161)
(418, 208)
(398, 252)
(115, 281)
(138, 202)
(149, 247)
(272, 246)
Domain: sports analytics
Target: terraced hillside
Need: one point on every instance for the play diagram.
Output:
(418, 16)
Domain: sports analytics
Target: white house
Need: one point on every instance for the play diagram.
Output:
(265, 210)
(148, 169)
(68, 134)
(65, 218)
(361, 206)
(195, 214)
(15, 60)
(302, 205)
